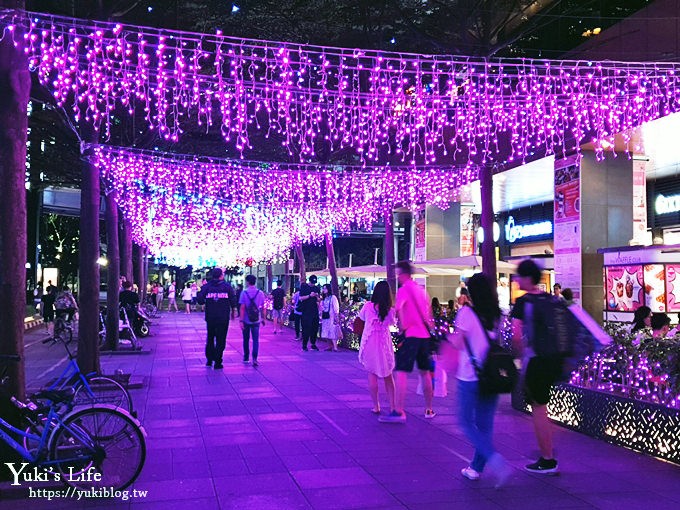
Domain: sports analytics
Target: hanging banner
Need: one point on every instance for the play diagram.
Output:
(639, 201)
(467, 230)
(419, 244)
(567, 224)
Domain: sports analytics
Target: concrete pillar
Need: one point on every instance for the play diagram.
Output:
(593, 209)
(606, 219)
(442, 240)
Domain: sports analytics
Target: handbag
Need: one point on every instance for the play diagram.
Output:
(358, 326)
(498, 374)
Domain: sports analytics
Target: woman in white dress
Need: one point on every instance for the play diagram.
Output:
(330, 316)
(376, 352)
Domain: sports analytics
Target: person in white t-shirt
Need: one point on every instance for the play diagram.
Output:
(186, 298)
(172, 296)
(476, 412)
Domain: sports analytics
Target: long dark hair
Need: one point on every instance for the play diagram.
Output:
(382, 298)
(639, 318)
(484, 300)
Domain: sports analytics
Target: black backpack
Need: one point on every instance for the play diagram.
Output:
(556, 331)
(252, 311)
(498, 374)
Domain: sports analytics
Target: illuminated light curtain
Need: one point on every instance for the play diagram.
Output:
(417, 107)
(178, 205)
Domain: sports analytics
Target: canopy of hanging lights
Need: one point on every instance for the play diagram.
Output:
(408, 106)
(182, 207)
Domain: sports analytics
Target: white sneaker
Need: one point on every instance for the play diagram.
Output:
(470, 473)
(500, 469)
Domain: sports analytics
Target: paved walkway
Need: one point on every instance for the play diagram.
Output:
(297, 433)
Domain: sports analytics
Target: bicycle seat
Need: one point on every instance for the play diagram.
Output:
(55, 395)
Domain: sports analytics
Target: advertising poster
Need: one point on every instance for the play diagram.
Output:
(467, 230)
(639, 200)
(655, 287)
(673, 287)
(420, 253)
(567, 224)
(624, 288)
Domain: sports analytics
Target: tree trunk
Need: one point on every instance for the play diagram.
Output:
(145, 272)
(301, 263)
(88, 331)
(270, 278)
(125, 250)
(287, 285)
(113, 280)
(488, 245)
(15, 86)
(332, 268)
(138, 258)
(389, 252)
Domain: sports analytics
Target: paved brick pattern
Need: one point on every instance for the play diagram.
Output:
(297, 433)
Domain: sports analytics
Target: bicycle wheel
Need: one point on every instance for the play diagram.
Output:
(103, 390)
(99, 439)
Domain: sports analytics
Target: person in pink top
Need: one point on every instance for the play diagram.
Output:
(414, 315)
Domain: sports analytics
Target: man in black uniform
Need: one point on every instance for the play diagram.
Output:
(309, 299)
(217, 296)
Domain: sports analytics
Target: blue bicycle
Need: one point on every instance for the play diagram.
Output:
(90, 388)
(95, 447)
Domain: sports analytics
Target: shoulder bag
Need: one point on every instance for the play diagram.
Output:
(498, 373)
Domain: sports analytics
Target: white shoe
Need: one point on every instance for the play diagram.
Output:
(500, 469)
(470, 473)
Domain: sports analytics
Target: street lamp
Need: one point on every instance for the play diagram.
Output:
(102, 261)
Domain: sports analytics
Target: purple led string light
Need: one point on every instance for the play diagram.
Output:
(427, 106)
(178, 204)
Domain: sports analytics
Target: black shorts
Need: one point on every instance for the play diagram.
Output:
(542, 373)
(414, 350)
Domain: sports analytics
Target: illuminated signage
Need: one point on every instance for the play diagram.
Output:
(514, 232)
(665, 205)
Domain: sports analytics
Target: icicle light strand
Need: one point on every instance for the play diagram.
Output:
(416, 108)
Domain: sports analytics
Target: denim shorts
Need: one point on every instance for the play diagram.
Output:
(413, 350)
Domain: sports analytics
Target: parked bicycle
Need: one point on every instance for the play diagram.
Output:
(90, 388)
(100, 439)
(63, 327)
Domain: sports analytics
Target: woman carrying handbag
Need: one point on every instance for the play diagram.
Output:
(330, 317)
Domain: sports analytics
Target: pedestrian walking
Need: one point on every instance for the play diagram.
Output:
(278, 301)
(296, 312)
(476, 327)
(172, 296)
(239, 290)
(414, 317)
(216, 295)
(330, 317)
(48, 300)
(154, 294)
(194, 293)
(376, 351)
(159, 298)
(309, 298)
(37, 297)
(252, 317)
(186, 298)
(541, 372)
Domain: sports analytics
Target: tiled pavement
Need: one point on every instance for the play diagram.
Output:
(297, 433)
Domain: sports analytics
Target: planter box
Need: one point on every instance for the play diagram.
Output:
(642, 426)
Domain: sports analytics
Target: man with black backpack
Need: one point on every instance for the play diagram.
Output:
(537, 331)
(216, 295)
(252, 316)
